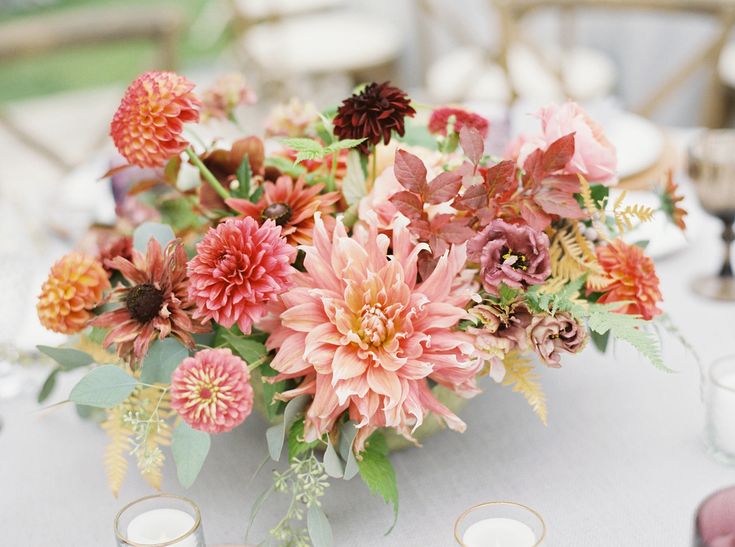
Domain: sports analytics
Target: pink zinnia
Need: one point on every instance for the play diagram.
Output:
(239, 267)
(462, 118)
(211, 391)
(364, 337)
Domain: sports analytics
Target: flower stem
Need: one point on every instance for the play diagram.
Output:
(331, 186)
(255, 364)
(207, 174)
(374, 167)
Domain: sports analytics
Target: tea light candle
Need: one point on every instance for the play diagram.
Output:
(162, 525)
(499, 532)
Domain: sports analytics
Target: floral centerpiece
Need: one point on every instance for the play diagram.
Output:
(348, 273)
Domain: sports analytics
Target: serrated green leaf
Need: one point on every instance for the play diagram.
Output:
(143, 233)
(48, 386)
(68, 358)
(285, 166)
(161, 360)
(320, 531)
(248, 349)
(190, 448)
(344, 144)
(377, 472)
(507, 294)
(301, 144)
(103, 387)
(276, 435)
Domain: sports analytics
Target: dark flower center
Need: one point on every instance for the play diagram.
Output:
(278, 212)
(516, 260)
(144, 302)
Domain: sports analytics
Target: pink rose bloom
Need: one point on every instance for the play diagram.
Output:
(239, 267)
(364, 338)
(514, 254)
(211, 391)
(594, 156)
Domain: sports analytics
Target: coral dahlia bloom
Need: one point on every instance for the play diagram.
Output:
(239, 267)
(211, 391)
(291, 205)
(148, 123)
(156, 303)
(633, 279)
(365, 338)
(75, 285)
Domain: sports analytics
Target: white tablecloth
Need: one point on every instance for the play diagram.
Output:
(622, 462)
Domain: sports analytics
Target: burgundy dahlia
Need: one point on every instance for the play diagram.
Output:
(372, 114)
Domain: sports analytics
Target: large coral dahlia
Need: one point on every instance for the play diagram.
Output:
(364, 337)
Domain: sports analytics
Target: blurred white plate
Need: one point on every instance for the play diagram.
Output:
(639, 142)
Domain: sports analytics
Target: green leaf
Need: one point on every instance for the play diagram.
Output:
(599, 193)
(103, 387)
(178, 214)
(308, 149)
(354, 185)
(320, 531)
(273, 407)
(344, 144)
(276, 435)
(68, 358)
(248, 349)
(285, 166)
(600, 340)
(48, 386)
(346, 440)
(507, 294)
(296, 443)
(143, 233)
(161, 360)
(190, 448)
(243, 174)
(332, 463)
(378, 473)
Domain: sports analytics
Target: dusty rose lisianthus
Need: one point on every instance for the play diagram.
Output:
(552, 334)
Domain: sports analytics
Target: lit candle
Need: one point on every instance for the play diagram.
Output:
(162, 525)
(499, 532)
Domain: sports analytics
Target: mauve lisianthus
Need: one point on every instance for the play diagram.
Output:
(514, 254)
(364, 337)
(239, 267)
(148, 123)
(462, 118)
(552, 334)
(155, 303)
(633, 279)
(75, 286)
(291, 205)
(211, 391)
(594, 156)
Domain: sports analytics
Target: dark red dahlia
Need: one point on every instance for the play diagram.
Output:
(373, 114)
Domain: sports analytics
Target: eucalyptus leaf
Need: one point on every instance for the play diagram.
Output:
(276, 435)
(332, 464)
(160, 232)
(190, 448)
(161, 360)
(103, 387)
(354, 184)
(48, 386)
(346, 450)
(320, 531)
(68, 358)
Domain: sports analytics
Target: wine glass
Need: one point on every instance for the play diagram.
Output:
(712, 168)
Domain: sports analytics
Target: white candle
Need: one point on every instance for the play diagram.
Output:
(499, 532)
(722, 410)
(162, 525)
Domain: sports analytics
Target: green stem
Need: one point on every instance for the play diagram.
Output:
(375, 167)
(331, 186)
(207, 174)
(255, 364)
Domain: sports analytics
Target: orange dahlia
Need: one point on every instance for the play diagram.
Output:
(75, 286)
(633, 279)
(291, 205)
(148, 124)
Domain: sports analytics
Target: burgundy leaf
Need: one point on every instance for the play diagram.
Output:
(410, 172)
(437, 244)
(409, 204)
(421, 229)
(558, 202)
(472, 143)
(444, 187)
(427, 264)
(475, 197)
(558, 154)
(501, 178)
(456, 232)
(533, 169)
(534, 216)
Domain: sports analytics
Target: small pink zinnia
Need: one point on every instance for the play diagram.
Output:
(211, 391)
(239, 267)
(148, 124)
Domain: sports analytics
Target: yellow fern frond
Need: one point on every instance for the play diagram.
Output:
(586, 193)
(520, 376)
(98, 353)
(572, 256)
(624, 217)
(116, 464)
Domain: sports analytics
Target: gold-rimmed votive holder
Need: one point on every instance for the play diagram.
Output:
(161, 520)
(500, 524)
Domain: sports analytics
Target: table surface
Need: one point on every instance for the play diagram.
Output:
(621, 463)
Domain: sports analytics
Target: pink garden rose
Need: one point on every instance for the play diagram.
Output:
(594, 156)
(514, 254)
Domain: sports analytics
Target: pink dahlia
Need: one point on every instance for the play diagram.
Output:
(439, 121)
(211, 391)
(239, 267)
(365, 338)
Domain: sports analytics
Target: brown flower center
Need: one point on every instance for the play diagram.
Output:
(144, 302)
(278, 212)
(517, 261)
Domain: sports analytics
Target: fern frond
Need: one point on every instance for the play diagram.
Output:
(116, 464)
(520, 376)
(572, 256)
(586, 193)
(624, 217)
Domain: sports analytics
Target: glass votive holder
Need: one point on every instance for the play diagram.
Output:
(499, 524)
(715, 522)
(720, 405)
(161, 520)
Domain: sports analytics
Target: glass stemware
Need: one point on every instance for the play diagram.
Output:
(712, 168)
